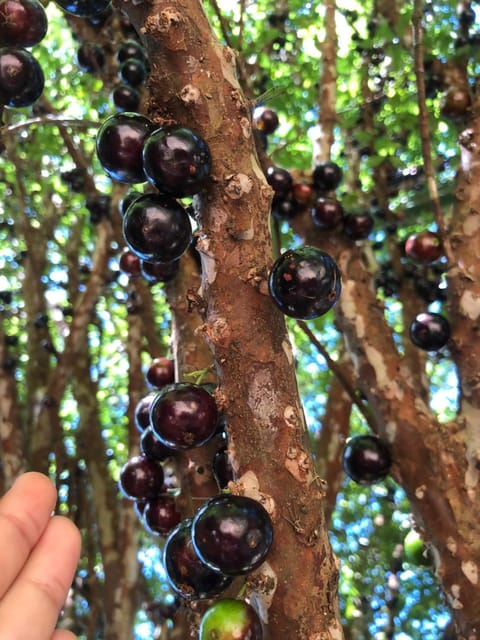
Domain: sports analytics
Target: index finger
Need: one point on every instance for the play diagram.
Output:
(25, 511)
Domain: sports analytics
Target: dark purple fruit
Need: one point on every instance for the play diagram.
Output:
(157, 228)
(129, 263)
(152, 447)
(303, 194)
(358, 225)
(266, 120)
(161, 515)
(125, 98)
(232, 534)
(160, 372)
(23, 23)
(84, 8)
(229, 619)
(176, 161)
(326, 176)
(159, 271)
(280, 180)
(366, 459)
(131, 49)
(133, 72)
(74, 179)
(186, 573)
(327, 213)
(142, 412)
(120, 142)
(141, 478)
(429, 331)
(305, 282)
(21, 78)
(424, 247)
(127, 200)
(90, 57)
(184, 416)
(222, 468)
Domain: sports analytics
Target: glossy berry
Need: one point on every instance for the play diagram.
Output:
(229, 619)
(280, 180)
(90, 57)
(283, 208)
(141, 478)
(133, 72)
(232, 534)
(23, 23)
(157, 228)
(222, 468)
(84, 8)
(159, 271)
(366, 459)
(184, 416)
(131, 49)
(129, 263)
(305, 282)
(176, 161)
(303, 193)
(186, 573)
(424, 247)
(160, 372)
(120, 142)
(327, 213)
(429, 331)
(152, 447)
(358, 226)
(161, 515)
(125, 98)
(326, 176)
(266, 120)
(142, 412)
(127, 200)
(21, 78)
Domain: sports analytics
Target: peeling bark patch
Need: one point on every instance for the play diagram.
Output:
(470, 305)
(190, 95)
(391, 431)
(261, 399)
(470, 570)
(238, 186)
(420, 491)
(168, 23)
(290, 417)
(297, 463)
(389, 387)
(246, 127)
(349, 308)
(264, 581)
(287, 348)
(248, 485)
(471, 225)
(454, 598)
(452, 546)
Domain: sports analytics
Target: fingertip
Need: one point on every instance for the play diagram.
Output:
(69, 532)
(37, 482)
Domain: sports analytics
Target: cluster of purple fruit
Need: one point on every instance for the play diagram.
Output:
(23, 24)
(229, 535)
(132, 149)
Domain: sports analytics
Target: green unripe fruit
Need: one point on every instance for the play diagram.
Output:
(415, 550)
(230, 619)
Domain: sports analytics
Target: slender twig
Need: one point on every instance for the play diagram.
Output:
(425, 129)
(336, 369)
(67, 122)
(241, 24)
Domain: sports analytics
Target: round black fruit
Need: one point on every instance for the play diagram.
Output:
(23, 23)
(176, 161)
(155, 272)
(90, 57)
(161, 515)
(152, 447)
(157, 228)
(327, 213)
(280, 180)
(326, 176)
(160, 372)
(133, 72)
(366, 459)
(84, 8)
(120, 142)
(429, 331)
(232, 534)
(21, 78)
(230, 619)
(125, 98)
(184, 416)
(305, 282)
(141, 478)
(358, 225)
(186, 573)
(142, 412)
(131, 49)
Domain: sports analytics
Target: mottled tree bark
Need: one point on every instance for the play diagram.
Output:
(193, 82)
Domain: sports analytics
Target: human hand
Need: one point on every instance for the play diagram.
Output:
(38, 558)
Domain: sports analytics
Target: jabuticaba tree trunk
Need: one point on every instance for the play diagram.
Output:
(193, 83)
(434, 463)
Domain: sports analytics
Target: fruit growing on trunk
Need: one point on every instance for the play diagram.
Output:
(232, 534)
(23, 23)
(141, 478)
(230, 619)
(429, 331)
(21, 78)
(366, 459)
(305, 282)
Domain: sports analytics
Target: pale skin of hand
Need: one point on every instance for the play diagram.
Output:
(38, 557)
